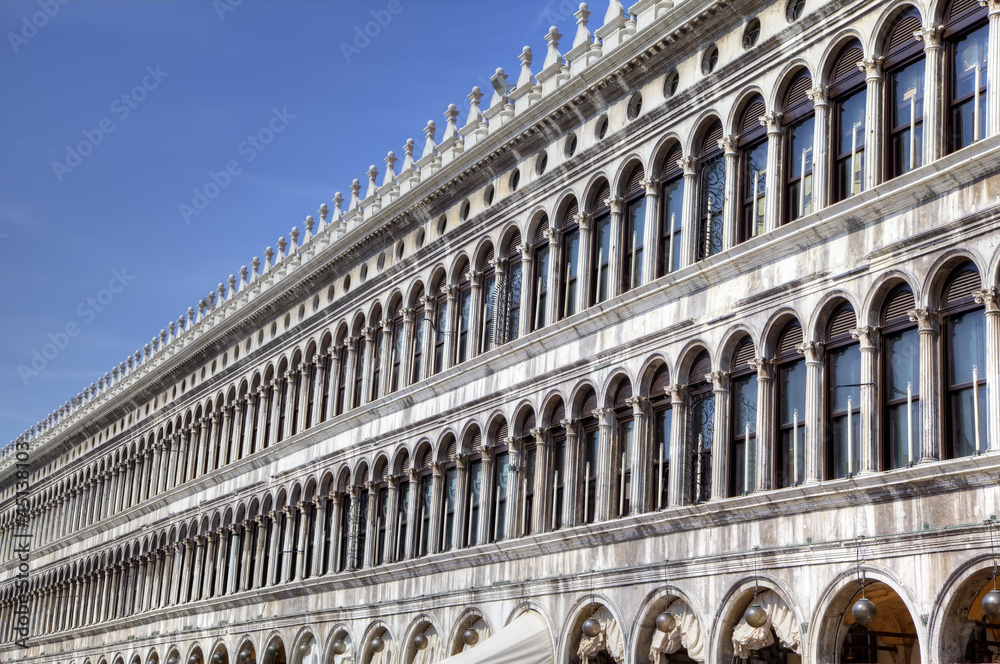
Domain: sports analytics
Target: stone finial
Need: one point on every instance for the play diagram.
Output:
(451, 130)
(355, 203)
(390, 169)
(430, 146)
(163, 338)
(211, 299)
(583, 37)
(372, 185)
(475, 112)
(202, 308)
(309, 229)
(322, 212)
(232, 285)
(293, 246)
(172, 327)
(552, 57)
(615, 14)
(128, 363)
(243, 277)
(282, 245)
(338, 214)
(268, 254)
(408, 163)
(526, 78)
(190, 317)
(145, 353)
(254, 269)
(221, 288)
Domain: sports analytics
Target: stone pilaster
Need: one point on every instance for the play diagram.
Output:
(874, 78)
(813, 435)
(766, 439)
(868, 340)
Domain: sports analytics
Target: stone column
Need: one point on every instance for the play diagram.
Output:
(371, 530)
(676, 490)
(553, 309)
(239, 431)
(487, 499)
(929, 327)
(176, 575)
(605, 465)
(246, 546)
(290, 381)
(389, 552)
(461, 501)
(194, 451)
(542, 507)
(437, 491)
(451, 332)
(993, 76)
(813, 437)
(337, 355)
(197, 590)
(476, 322)
(868, 339)
(302, 541)
(318, 535)
(934, 93)
(616, 252)
(336, 535)
(317, 393)
(224, 449)
(515, 487)
(528, 290)
(772, 176)
(643, 486)
(765, 437)
(406, 361)
(691, 217)
(369, 359)
(650, 239)
(499, 305)
(586, 222)
(184, 446)
(385, 377)
(430, 311)
(820, 97)
(287, 546)
(273, 571)
(256, 578)
(302, 383)
(873, 175)
(720, 435)
(731, 204)
(990, 299)
(221, 557)
(257, 443)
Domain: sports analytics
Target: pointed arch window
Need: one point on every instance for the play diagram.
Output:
(743, 420)
(501, 479)
(633, 230)
(441, 324)
(671, 255)
(712, 194)
(966, 48)
(569, 269)
(660, 404)
(487, 305)
(790, 385)
(752, 169)
(799, 129)
(964, 340)
(600, 246)
(540, 277)
(901, 376)
(702, 431)
(843, 400)
(904, 89)
(417, 349)
(463, 348)
(848, 95)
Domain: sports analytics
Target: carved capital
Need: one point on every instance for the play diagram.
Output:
(866, 335)
(604, 416)
(763, 366)
(988, 297)
(638, 404)
(926, 320)
(687, 164)
(930, 35)
(812, 350)
(719, 381)
(678, 393)
(617, 204)
(539, 434)
(819, 95)
(651, 188)
(728, 144)
(872, 67)
(772, 121)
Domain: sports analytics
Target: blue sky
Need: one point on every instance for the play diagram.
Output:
(114, 113)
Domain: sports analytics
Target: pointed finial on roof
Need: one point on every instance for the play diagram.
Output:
(582, 32)
(390, 169)
(430, 146)
(355, 203)
(372, 185)
(526, 78)
(615, 12)
(322, 212)
(451, 130)
(553, 56)
(475, 112)
(408, 163)
(309, 228)
(338, 213)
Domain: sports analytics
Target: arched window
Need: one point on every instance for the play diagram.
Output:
(341, 380)
(440, 325)
(743, 421)
(425, 498)
(359, 519)
(376, 339)
(381, 514)
(799, 128)
(328, 534)
(487, 304)
(557, 438)
(463, 348)
(360, 366)
(590, 436)
(297, 388)
(417, 349)
(621, 455)
(712, 194)
(753, 170)
(904, 90)
(327, 366)
(569, 269)
(901, 382)
(702, 431)
(660, 404)
(396, 357)
(633, 230)
(671, 256)
(449, 497)
(346, 507)
(283, 388)
(511, 307)
(402, 510)
(540, 278)
(473, 491)
(600, 246)
(843, 401)
(848, 95)
(966, 47)
(501, 479)
(311, 514)
(790, 387)
(964, 340)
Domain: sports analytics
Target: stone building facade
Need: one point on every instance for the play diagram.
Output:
(701, 312)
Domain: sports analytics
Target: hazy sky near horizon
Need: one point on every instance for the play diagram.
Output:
(116, 115)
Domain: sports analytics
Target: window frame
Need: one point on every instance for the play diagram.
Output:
(842, 90)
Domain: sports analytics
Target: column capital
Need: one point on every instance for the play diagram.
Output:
(617, 204)
(638, 404)
(819, 95)
(719, 381)
(584, 221)
(677, 393)
(476, 279)
(992, 5)
(413, 474)
(867, 336)
(764, 367)
(772, 121)
(351, 343)
(930, 35)
(687, 164)
(927, 320)
(812, 350)
(989, 297)
(525, 249)
(651, 187)
(568, 424)
(604, 415)
(728, 144)
(872, 67)
(553, 234)
(539, 434)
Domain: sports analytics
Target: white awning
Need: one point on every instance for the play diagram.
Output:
(526, 640)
